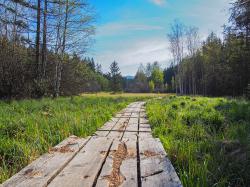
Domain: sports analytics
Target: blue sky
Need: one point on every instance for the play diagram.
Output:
(134, 31)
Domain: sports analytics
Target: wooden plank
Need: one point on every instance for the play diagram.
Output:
(84, 168)
(120, 168)
(119, 128)
(145, 135)
(143, 114)
(123, 114)
(144, 121)
(144, 128)
(104, 131)
(135, 115)
(132, 126)
(40, 172)
(109, 125)
(156, 169)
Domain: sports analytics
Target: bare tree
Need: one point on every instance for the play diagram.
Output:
(44, 48)
(176, 39)
(73, 31)
(38, 31)
(193, 44)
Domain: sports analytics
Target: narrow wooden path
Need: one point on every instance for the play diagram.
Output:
(121, 153)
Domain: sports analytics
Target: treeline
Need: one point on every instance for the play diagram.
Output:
(214, 67)
(147, 79)
(41, 43)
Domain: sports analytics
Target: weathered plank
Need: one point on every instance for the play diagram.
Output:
(145, 135)
(104, 131)
(143, 114)
(123, 114)
(40, 172)
(135, 115)
(119, 128)
(156, 169)
(84, 168)
(132, 128)
(144, 121)
(120, 168)
(109, 125)
(144, 127)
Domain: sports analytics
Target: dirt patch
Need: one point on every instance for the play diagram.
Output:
(131, 153)
(150, 153)
(32, 173)
(103, 153)
(122, 128)
(63, 149)
(124, 125)
(116, 178)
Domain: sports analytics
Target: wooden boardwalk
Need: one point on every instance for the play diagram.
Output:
(121, 153)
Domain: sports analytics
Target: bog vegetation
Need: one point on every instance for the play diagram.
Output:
(29, 128)
(207, 139)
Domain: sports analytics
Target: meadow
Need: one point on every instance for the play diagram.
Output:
(207, 139)
(28, 128)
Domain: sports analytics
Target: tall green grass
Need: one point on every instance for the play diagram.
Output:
(207, 139)
(29, 128)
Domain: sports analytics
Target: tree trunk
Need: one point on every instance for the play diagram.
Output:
(59, 67)
(38, 30)
(44, 49)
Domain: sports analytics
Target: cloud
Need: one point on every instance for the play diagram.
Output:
(110, 29)
(158, 2)
(135, 52)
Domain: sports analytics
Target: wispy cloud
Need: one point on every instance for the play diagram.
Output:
(135, 52)
(119, 28)
(158, 2)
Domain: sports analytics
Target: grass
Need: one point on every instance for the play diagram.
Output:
(207, 139)
(121, 94)
(29, 128)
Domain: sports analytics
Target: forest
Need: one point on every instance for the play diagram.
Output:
(43, 54)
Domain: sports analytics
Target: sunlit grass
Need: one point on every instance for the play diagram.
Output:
(207, 139)
(29, 128)
(121, 94)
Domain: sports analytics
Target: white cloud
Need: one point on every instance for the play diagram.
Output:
(135, 52)
(158, 2)
(119, 28)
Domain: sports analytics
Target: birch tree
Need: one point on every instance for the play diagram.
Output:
(176, 40)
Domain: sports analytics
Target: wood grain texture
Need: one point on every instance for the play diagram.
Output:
(44, 169)
(83, 169)
(127, 171)
(156, 169)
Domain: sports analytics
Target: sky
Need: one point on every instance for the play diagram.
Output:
(132, 32)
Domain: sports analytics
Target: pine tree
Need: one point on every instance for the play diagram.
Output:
(115, 77)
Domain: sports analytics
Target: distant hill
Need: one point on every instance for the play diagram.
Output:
(129, 77)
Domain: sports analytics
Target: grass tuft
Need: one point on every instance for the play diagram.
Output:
(207, 139)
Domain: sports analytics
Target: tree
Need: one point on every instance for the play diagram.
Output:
(115, 77)
(151, 86)
(38, 32)
(176, 40)
(140, 80)
(157, 77)
(169, 74)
